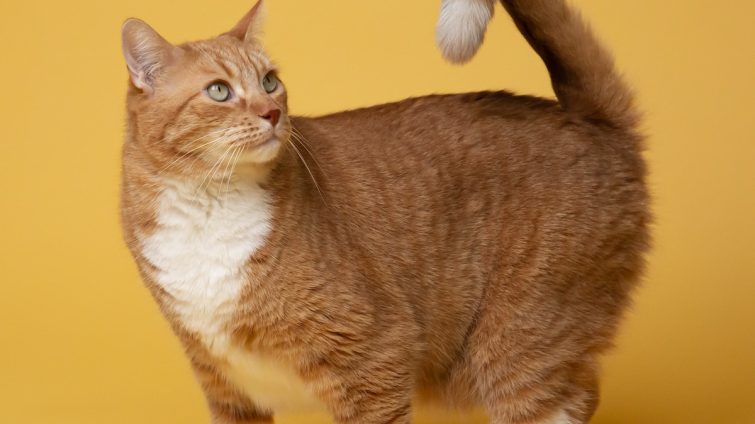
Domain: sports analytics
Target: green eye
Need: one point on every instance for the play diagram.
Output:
(270, 82)
(219, 91)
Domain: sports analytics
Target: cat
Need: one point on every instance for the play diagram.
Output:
(477, 250)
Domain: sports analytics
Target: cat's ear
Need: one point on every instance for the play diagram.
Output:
(146, 53)
(250, 26)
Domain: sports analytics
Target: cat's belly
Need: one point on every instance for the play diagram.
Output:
(269, 383)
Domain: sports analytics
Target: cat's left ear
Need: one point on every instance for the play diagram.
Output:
(250, 26)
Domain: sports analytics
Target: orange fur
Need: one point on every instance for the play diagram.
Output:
(476, 248)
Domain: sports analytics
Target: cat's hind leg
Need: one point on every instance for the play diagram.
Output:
(536, 387)
(530, 361)
(563, 395)
(376, 391)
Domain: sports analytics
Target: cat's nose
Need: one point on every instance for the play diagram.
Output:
(272, 115)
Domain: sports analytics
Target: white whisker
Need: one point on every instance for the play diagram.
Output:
(317, 186)
(234, 159)
(212, 171)
(303, 142)
(184, 155)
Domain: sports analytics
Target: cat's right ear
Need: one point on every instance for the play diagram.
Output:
(249, 27)
(146, 53)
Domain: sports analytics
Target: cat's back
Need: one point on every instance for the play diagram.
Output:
(467, 170)
(493, 139)
(431, 121)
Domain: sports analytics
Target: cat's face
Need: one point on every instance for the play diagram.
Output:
(203, 108)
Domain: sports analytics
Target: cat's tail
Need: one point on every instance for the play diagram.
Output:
(582, 71)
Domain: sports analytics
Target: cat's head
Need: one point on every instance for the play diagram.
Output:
(206, 104)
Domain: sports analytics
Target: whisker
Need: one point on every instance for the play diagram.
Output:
(179, 159)
(212, 171)
(228, 165)
(294, 131)
(302, 142)
(234, 159)
(186, 155)
(227, 176)
(297, 135)
(228, 152)
(188, 131)
(214, 132)
(304, 162)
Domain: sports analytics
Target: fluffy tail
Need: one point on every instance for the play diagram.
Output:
(582, 71)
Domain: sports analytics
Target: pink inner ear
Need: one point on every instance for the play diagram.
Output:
(246, 27)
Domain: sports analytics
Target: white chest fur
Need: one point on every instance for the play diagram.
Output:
(200, 248)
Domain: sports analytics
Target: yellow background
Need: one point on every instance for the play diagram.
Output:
(82, 341)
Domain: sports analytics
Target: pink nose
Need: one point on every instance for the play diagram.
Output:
(273, 115)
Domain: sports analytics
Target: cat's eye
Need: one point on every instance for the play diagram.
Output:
(270, 82)
(219, 91)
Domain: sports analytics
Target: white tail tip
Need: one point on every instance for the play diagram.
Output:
(461, 28)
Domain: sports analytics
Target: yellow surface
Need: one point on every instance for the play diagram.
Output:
(81, 339)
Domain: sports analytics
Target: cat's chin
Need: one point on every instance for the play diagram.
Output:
(261, 153)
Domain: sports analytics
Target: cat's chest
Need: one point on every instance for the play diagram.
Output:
(200, 249)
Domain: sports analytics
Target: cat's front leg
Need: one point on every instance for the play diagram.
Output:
(227, 404)
(237, 413)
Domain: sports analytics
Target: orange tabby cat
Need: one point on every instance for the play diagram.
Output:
(477, 249)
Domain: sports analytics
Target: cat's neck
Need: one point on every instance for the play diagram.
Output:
(216, 190)
(285, 184)
(212, 181)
